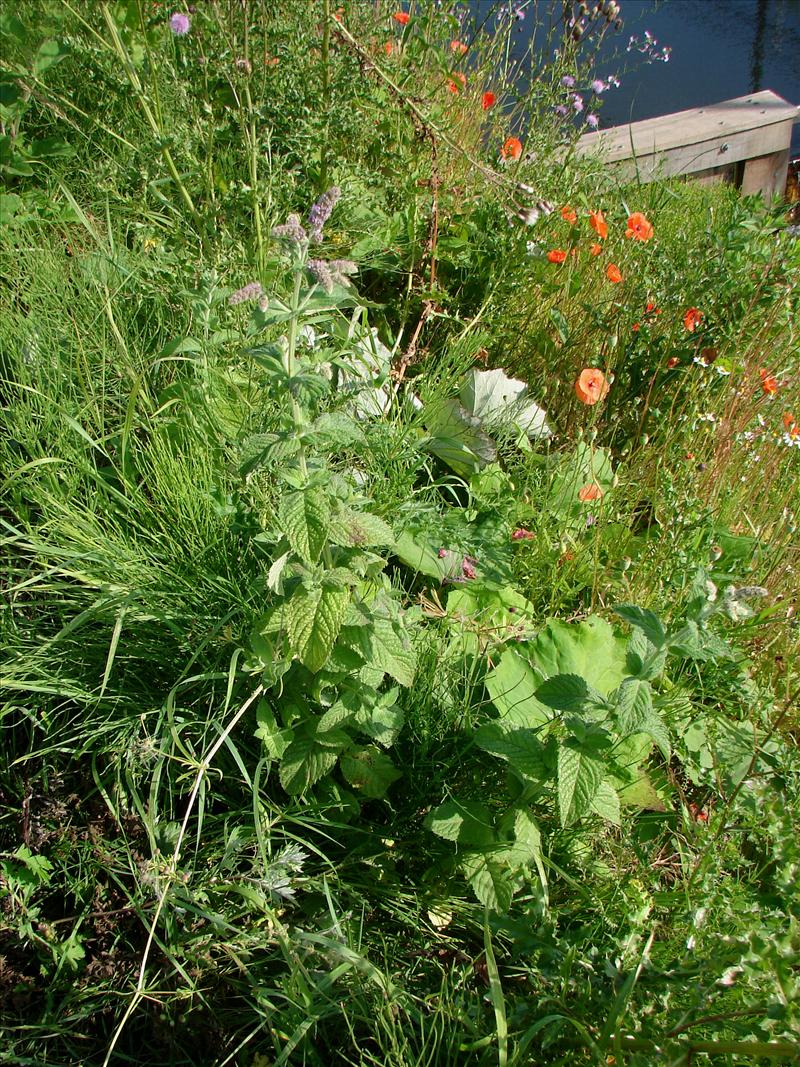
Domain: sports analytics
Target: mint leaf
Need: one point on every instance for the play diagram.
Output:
(304, 517)
(314, 617)
(465, 821)
(579, 777)
(369, 770)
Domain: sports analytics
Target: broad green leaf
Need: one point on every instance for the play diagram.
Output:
(579, 777)
(490, 880)
(50, 147)
(50, 52)
(645, 620)
(384, 724)
(334, 429)
(567, 692)
(465, 821)
(388, 648)
(416, 552)
(304, 518)
(633, 701)
(641, 793)
(337, 715)
(497, 400)
(457, 438)
(276, 738)
(313, 618)
(357, 529)
(605, 803)
(309, 757)
(369, 770)
(590, 649)
(520, 748)
(512, 686)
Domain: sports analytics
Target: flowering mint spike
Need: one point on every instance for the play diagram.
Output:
(291, 230)
(321, 212)
(322, 273)
(251, 291)
(341, 269)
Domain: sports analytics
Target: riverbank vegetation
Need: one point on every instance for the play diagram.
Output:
(399, 554)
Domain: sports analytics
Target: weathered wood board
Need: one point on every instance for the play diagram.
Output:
(755, 130)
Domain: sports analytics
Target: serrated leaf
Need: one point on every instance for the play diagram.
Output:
(633, 701)
(304, 518)
(605, 803)
(465, 821)
(334, 429)
(313, 618)
(335, 716)
(357, 529)
(512, 686)
(645, 620)
(567, 692)
(589, 649)
(654, 727)
(579, 777)
(369, 770)
(274, 579)
(490, 880)
(262, 449)
(384, 724)
(389, 649)
(520, 748)
(276, 738)
(308, 758)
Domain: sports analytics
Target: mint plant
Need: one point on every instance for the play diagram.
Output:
(333, 631)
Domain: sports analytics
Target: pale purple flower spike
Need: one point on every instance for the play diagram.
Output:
(291, 230)
(592, 121)
(180, 23)
(321, 212)
(251, 291)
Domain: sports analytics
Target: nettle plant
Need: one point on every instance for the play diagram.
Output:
(334, 631)
(577, 711)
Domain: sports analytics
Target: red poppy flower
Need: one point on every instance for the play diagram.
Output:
(591, 386)
(790, 424)
(488, 100)
(512, 148)
(673, 361)
(458, 46)
(556, 255)
(692, 319)
(636, 327)
(522, 535)
(569, 215)
(639, 227)
(769, 383)
(590, 492)
(402, 17)
(388, 48)
(598, 223)
(595, 250)
(613, 273)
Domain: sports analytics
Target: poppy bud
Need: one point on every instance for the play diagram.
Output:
(577, 33)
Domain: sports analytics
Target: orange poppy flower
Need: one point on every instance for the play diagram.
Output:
(488, 100)
(598, 223)
(591, 386)
(595, 250)
(673, 361)
(388, 48)
(556, 255)
(592, 491)
(613, 273)
(402, 17)
(512, 148)
(639, 227)
(790, 424)
(636, 327)
(452, 85)
(769, 383)
(569, 215)
(692, 319)
(458, 46)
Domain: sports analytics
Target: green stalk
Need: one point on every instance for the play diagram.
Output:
(288, 362)
(253, 160)
(326, 91)
(133, 78)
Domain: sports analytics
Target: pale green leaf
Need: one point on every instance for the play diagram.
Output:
(633, 701)
(512, 686)
(567, 692)
(314, 617)
(384, 724)
(590, 649)
(357, 529)
(309, 757)
(645, 620)
(605, 803)
(304, 518)
(465, 821)
(369, 770)
(388, 648)
(520, 748)
(490, 880)
(579, 777)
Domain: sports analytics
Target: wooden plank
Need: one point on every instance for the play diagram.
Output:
(693, 157)
(766, 175)
(692, 127)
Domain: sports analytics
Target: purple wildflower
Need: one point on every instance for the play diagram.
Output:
(577, 102)
(598, 86)
(468, 567)
(251, 291)
(180, 23)
(567, 81)
(522, 534)
(321, 212)
(322, 274)
(291, 230)
(592, 121)
(442, 553)
(560, 110)
(341, 269)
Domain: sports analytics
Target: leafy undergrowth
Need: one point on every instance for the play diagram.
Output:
(399, 558)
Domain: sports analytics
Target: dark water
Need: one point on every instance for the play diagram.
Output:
(719, 49)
